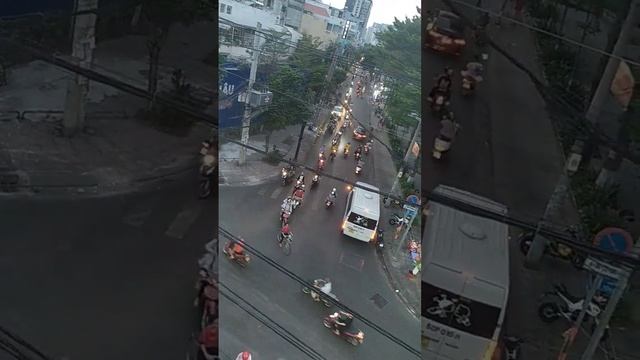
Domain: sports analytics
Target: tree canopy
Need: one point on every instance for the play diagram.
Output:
(287, 106)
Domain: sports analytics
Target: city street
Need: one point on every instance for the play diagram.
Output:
(318, 250)
(505, 150)
(105, 277)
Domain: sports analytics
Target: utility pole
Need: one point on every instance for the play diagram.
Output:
(407, 156)
(246, 119)
(84, 41)
(602, 91)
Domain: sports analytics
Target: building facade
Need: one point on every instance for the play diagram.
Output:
(370, 35)
(318, 22)
(359, 11)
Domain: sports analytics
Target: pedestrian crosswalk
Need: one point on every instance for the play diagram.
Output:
(184, 220)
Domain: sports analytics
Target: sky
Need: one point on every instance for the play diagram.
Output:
(383, 11)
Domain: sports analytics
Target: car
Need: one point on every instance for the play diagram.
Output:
(337, 111)
(360, 133)
(445, 33)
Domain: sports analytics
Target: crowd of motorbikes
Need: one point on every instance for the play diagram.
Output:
(439, 99)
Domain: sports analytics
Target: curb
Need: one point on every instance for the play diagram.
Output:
(24, 189)
(395, 285)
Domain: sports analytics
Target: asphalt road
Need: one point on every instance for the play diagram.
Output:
(318, 250)
(104, 278)
(506, 152)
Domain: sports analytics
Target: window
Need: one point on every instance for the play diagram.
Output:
(329, 27)
(363, 221)
(222, 8)
(228, 9)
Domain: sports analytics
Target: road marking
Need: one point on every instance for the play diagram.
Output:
(276, 193)
(137, 217)
(262, 191)
(353, 261)
(184, 220)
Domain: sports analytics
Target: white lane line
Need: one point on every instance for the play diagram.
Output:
(184, 220)
(276, 193)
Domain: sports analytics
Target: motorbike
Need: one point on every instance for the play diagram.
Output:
(284, 217)
(325, 302)
(296, 202)
(468, 85)
(315, 180)
(442, 144)
(300, 181)
(207, 173)
(328, 202)
(357, 155)
(352, 337)
(321, 164)
(438, 102)
(286, 175)
(243, 261)
(566, 305)
(358, 168)
(366, 149)
(512, 347)
(332, 155)
(207, 342)
(553, 248)
(380, 243)
(397, 219)
(345, 152)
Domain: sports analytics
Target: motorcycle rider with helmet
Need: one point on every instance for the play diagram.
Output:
(234, 249)
(347, 147)
(342, 321)
(332, 196)
(298, 194)
(285, 232)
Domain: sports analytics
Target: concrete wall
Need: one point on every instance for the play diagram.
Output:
(316, 27)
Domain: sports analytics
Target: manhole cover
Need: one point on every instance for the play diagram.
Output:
(379, 301)
(353, 261)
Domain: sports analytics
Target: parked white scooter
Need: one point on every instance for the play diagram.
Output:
(567, 305)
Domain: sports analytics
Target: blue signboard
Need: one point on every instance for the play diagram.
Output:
(614, 240)
(233, 82)
(413, 199)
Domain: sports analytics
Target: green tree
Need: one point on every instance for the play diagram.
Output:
(159, 16)
(274, 49)
(287, 107)
(308, 58)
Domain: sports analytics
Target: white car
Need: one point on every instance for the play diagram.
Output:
(337, 110)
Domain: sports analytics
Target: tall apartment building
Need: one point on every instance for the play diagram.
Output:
(360, 11)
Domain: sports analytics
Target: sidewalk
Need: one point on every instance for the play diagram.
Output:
(395, 257)
(536, 156)
(256, 170)
(115, 152)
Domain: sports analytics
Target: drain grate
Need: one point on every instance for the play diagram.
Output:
(379, 301)
(353, 261)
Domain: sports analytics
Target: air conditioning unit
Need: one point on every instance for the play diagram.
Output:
(260, 98)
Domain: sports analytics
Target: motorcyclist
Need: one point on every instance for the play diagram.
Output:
(322, 150)
(347, 147)
(448, 129)
(342, 321)
(285, 232)
(473, 71)
(298, 194)
(300, 181)
(360, 164)
(323, 285)
(443, 81)
(245, 355)
(235, 249)
(287, 206)
(332, 196)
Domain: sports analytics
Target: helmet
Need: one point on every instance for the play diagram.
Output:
(333, 190)
(245, 355)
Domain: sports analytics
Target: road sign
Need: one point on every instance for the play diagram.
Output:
(410, 211)
(614, 240)
(604, 269)
(413, 199)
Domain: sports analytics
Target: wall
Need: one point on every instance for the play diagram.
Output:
(316, 27)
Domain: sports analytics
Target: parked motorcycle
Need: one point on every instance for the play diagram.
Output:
(352, 337)
(316, 291)
(566, 305)
(243, 261)
(397, 220)
(553, 248)
(380, 243)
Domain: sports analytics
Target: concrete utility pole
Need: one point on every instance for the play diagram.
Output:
(84, 41)
(407, 156)
(603, 90)
(246, 119)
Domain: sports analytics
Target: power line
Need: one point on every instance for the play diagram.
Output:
(230, 236)
(542, 31)
(270, 323)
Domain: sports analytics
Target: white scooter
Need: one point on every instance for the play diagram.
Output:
(568, 306)
(442, 144)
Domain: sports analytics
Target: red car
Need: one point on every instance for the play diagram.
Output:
(445, 33)
(360, 133)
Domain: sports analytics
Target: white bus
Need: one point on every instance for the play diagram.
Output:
(362, 213)
(465, 279)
